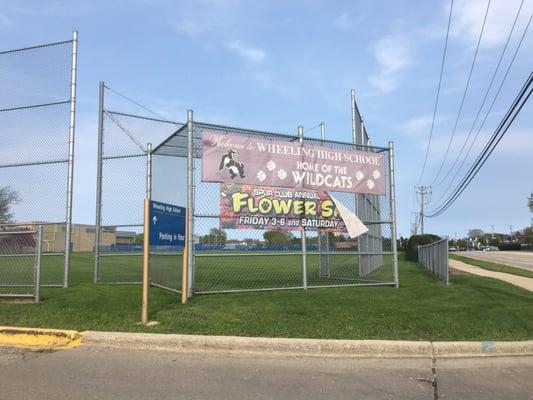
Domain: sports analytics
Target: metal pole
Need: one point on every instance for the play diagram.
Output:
(302, 230)
(323, 237)
(70, 176)
(146, 262)
(354, 134)
(149, 171)
(185, 263)
(392, 189)
(38, 263)
(422, 194)
(99, 168)
(445, 253)
(190, 201)
(359, 210)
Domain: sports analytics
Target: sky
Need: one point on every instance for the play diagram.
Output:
(274, 65)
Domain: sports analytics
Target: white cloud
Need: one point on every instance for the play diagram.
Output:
(468, 16)
(254, 54)
(393, 55)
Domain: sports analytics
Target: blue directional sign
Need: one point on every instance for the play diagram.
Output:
(167, 224)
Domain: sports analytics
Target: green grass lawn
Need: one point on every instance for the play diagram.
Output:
(493, 266)
(470, 308)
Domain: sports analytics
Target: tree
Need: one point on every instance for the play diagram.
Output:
(277, 238)
(215, 236)
(528, 235)
(8, 198)
(475, 233)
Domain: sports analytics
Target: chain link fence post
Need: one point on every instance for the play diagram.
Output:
(70, 175)
(99, 163)
(302, 229)
(190, 199)
(392, 199)
(38, 263)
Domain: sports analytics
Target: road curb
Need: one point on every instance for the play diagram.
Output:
(39, 338)
(307, 347)
(238, 345)
(482, 349)
(261, 346)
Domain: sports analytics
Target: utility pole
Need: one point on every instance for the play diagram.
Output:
(492, 227)
(511, 232)
(414, 224)
(423, 191)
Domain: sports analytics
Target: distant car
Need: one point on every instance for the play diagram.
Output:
(452, 248)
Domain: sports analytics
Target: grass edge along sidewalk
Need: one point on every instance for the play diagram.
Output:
(470, 308)
(492, 266)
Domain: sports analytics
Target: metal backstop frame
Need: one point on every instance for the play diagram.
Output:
(43, 167)
(305, 260)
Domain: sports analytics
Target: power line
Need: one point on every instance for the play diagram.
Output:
(495, 139)
(490, 146)
(438, 93)
(489, 109)
(467, 86)
(484, 97)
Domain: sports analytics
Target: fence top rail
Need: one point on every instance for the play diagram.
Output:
(434, 243)
(35, 47)
(206, 125)
(30, 223)
(144, 117)
(17, 232)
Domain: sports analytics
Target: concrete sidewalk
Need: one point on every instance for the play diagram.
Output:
(521, 281)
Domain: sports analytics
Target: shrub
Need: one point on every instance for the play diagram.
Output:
(509, 246)
(418, 240)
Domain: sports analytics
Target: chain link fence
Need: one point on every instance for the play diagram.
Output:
(37, 153)
(236, 260)
(20, 262)
(124, 180)
(434, 258)
(225, 260)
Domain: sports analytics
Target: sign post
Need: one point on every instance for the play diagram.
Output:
(146, 261)
(185, 263)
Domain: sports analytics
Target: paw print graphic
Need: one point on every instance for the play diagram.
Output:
(359, 175)
(376, 174)
(282, 174)
(271, 165)
(370, 184)
(261, 176)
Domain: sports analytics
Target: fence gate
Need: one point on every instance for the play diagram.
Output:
(37, 112)
(20, 262)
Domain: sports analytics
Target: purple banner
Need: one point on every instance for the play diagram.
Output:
(241, 159)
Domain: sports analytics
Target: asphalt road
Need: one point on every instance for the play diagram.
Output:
(520, 259)
(98, 373)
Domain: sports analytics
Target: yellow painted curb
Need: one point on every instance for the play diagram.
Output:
(39, 338)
